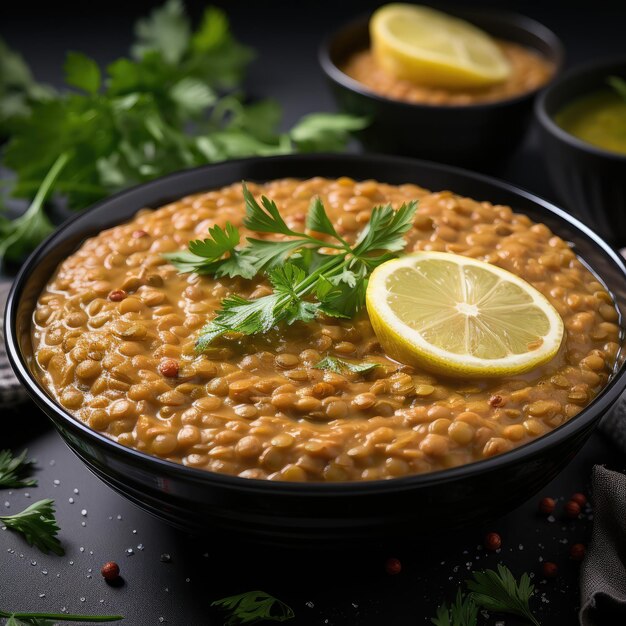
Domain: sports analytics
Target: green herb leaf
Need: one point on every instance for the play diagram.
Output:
(463, 612)
(265, 219)
(341, 366)
(252, 607)
(82, 72)
(13, 469)
(500, 592)
(38, 526)
(325, 131)
(386, 229)
(618, 84)
(317, 220)
(166, 31)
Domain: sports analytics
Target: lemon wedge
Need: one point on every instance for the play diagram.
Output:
(459, 316)
(432, 48)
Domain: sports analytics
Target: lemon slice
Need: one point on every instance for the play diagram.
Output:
(426, 46)
(459, 316)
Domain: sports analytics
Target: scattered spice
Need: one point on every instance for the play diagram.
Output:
(572, 509)
(577, 552)
(110, 571)
(496, 401)
(493, 542)
(393, 566)
(117, 295)
(169, 368)
(547, 506)
(549, 569)
(580, 499)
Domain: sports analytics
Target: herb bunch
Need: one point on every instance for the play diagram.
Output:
(170, 106)
(14, 469)
(309, 275)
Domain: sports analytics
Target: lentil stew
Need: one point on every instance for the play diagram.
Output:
(529, 71)
(113, 333)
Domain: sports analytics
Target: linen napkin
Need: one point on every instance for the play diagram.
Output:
(603, 575)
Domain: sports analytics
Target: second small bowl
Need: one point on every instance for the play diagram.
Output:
(590, 181)
(485, 132)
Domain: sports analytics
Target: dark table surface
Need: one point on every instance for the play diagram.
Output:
(341, 589)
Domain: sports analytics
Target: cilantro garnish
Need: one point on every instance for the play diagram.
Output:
(306, 281)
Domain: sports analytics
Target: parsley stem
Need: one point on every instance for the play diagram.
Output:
(64, 617)
(46, 185)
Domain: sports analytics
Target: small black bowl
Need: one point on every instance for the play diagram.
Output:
(312, 513)
(459, 134)
(589, 180)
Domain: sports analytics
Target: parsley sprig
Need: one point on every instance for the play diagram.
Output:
(497, 591)
(309, 275)
(49, 619)
(252, 607)
(38, 525)
(173, 104)
(13, 470)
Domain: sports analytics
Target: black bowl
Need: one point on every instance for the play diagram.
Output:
(589, 180)
(326, 512)
(482, 133)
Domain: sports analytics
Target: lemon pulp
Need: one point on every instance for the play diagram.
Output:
(461, 316)
(432, 48)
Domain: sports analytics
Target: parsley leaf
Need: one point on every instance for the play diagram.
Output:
(82, 72)
(463, 612)
(38, 525)
(252, 607)
(320, 132)
(501, 593)
(13, 469)
(166, 31)
(341, 366)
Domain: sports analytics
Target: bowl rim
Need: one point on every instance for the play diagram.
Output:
(529, 24)
(590, 69)
(57, 413)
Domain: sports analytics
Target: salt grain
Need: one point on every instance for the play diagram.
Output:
(84, 512)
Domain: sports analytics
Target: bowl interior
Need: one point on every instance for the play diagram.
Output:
(354, 37)
(572, 85)
(599, 256)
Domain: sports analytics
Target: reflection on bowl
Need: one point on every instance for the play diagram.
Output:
(282, 511)
(590, 180)
(483, 131)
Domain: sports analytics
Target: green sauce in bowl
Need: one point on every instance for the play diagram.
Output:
(598, 118)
